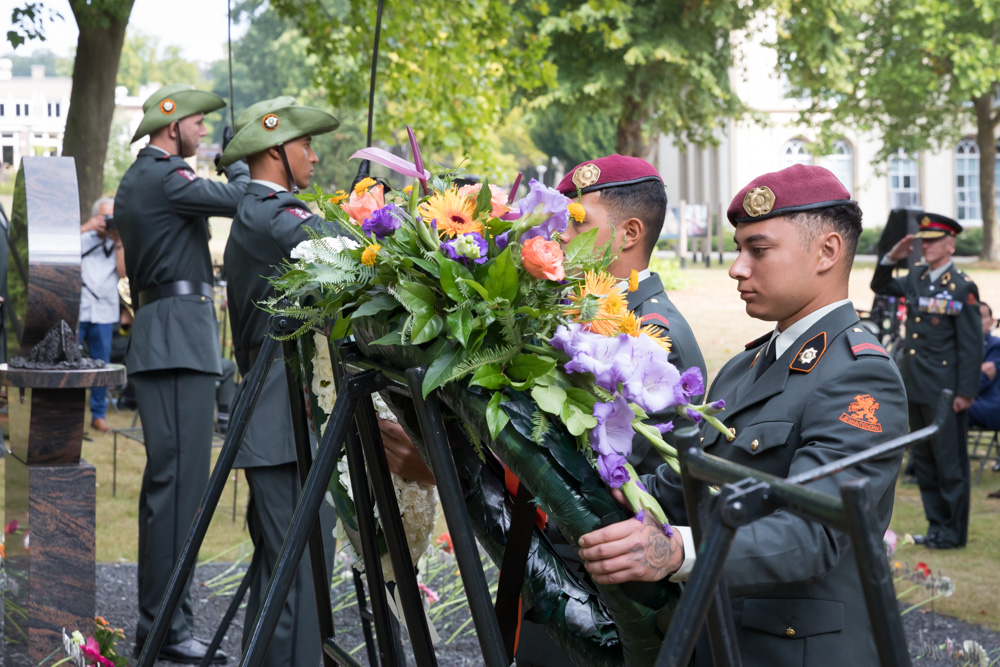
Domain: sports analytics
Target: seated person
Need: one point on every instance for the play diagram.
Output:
(985, 410)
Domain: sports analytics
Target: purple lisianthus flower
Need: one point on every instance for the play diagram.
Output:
(611, 468)
(692, 383)
(666, 427)
(466, 246)
(382, 222)
(613, 433)
(502, 240)
(694, 415)
(640, 516)
(553, 202)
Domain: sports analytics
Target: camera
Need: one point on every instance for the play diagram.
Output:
(109, 222)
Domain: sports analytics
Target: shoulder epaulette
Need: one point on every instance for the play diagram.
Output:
(862, 343)
(655, 318)
(298, 212)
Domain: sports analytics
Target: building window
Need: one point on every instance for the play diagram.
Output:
(57, 109)
(841, 162)
(967, 201)
(904, 181)
(795, 152)
(17, 109)
(2, 111)
(50, 109)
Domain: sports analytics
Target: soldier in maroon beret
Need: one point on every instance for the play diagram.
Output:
(943, 349)
(816, 389)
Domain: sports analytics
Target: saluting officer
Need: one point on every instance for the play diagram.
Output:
(813, 391)
(943, 349)
(162, 210)
(275, 136)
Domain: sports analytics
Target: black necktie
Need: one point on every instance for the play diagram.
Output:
(768, 358)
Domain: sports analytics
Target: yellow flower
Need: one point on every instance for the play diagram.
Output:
(577, 211)
(363, 185)
(369, 254)
(633, 281)
(630, 325)
(407, 190)
(337, 197)
(454, 214)
(656, 333)
(598, 304)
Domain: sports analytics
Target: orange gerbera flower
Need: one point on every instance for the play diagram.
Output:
(656, 333)
(630, 325)
(454, 213)
(598, 304)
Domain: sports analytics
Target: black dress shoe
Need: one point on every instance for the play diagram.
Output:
(921, 539)
(191, 651)
(939, 544)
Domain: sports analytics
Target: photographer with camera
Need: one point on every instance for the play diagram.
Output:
(102, 263)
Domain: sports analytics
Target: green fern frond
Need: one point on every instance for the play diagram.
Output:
(500, 355)
(475, 441)
(539, 426)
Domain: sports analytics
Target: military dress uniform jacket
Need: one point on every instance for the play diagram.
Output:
(161, 210)
(796, 592)
(985, 410)
(943, 348)
(267, 226)
(651, 306)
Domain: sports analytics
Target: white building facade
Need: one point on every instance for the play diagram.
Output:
(944, 181)
(32, 113)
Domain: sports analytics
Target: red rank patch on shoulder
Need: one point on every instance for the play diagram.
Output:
(187, 173)
(300, 213)
(655, 318)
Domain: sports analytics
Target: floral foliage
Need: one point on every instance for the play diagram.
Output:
(98, 649)
(497, 299)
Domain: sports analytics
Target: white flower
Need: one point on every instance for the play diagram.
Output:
(975, 654)
(324, 249)
(304, 251)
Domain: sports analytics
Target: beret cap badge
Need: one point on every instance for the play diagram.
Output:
(586, 175)
(270, 122)
(758, 201)
(167, 106)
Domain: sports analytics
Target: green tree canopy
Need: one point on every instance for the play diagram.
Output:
(918, 72)
(143, 61)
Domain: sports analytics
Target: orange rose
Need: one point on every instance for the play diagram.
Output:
(362, 206)
(497, 197)
(543, 259)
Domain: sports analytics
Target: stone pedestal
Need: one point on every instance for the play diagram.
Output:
(49, 510)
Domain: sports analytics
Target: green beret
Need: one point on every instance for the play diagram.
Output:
(173, 103)
(275, 122)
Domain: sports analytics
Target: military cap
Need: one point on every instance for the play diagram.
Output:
(273, 123)
(173, 103)
(258, 109)
(934, 226)
(607, 172)
(800, 187)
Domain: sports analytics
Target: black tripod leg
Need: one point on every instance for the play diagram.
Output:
(227, 619)
(366, 624)
(303, 451)
(876, 579)
(457, 517)
(209, 502)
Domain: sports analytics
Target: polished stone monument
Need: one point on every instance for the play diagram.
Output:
(50, 491)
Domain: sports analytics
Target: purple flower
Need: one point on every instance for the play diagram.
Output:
(642, 487)
(565, 337)
(611, 468)
(694, 415)
(717, 405)
(613, 433)
(692, 383)
(596, 354)
(653, 382)
(382, 222)
(502, 240)
(665, 427)
(466, 246)
(668, 531)
(640, 516)
(553, 202)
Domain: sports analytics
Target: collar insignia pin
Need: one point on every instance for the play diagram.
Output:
(808, 355)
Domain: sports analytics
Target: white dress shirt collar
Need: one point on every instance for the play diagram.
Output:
(784, 339)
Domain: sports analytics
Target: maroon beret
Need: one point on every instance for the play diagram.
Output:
(935, 226)
(800, 187)
(607, 172)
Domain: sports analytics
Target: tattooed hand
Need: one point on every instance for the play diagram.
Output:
(631, 551)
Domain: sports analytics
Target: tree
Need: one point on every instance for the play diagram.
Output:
(143, 61)
(919, 72)
(647, 67)
(92, 101)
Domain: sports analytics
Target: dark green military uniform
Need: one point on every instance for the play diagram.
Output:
(943, 349)
(652, 306)
(267, 226)
(797, 597)
(162, 210)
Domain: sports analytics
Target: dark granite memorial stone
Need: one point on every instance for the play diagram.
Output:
(58, 350)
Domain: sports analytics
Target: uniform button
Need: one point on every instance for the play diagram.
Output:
(917, 319)
(203, 299)
(913, 336)
(912, 352)
(732, 434)
(789, 632)
(702, 438)
(755, 444)
(856, 330)
(944, 363)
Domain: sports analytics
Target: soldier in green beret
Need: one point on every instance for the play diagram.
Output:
(943, 349)
(162, 210)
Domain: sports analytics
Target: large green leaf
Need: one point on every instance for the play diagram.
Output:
(459, 325)
(549, 399)
(501, 280)
(451, 273)
(379, 303)
(416, 297)
(529, 366)
(489, 376)
(426, 326)
(496, 418)
(446, 358)
(581, 246)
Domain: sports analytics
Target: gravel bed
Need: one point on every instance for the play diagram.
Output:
(927, 632)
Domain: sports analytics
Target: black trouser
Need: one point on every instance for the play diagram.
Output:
(296, 641)
(942, 469)
(176, 407)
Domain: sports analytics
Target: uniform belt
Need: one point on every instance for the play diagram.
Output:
(176, 288)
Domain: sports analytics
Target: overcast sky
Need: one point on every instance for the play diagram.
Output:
(198, 27)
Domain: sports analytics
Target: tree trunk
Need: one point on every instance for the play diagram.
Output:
(987, 164)
(92, 101)
(630, 140)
